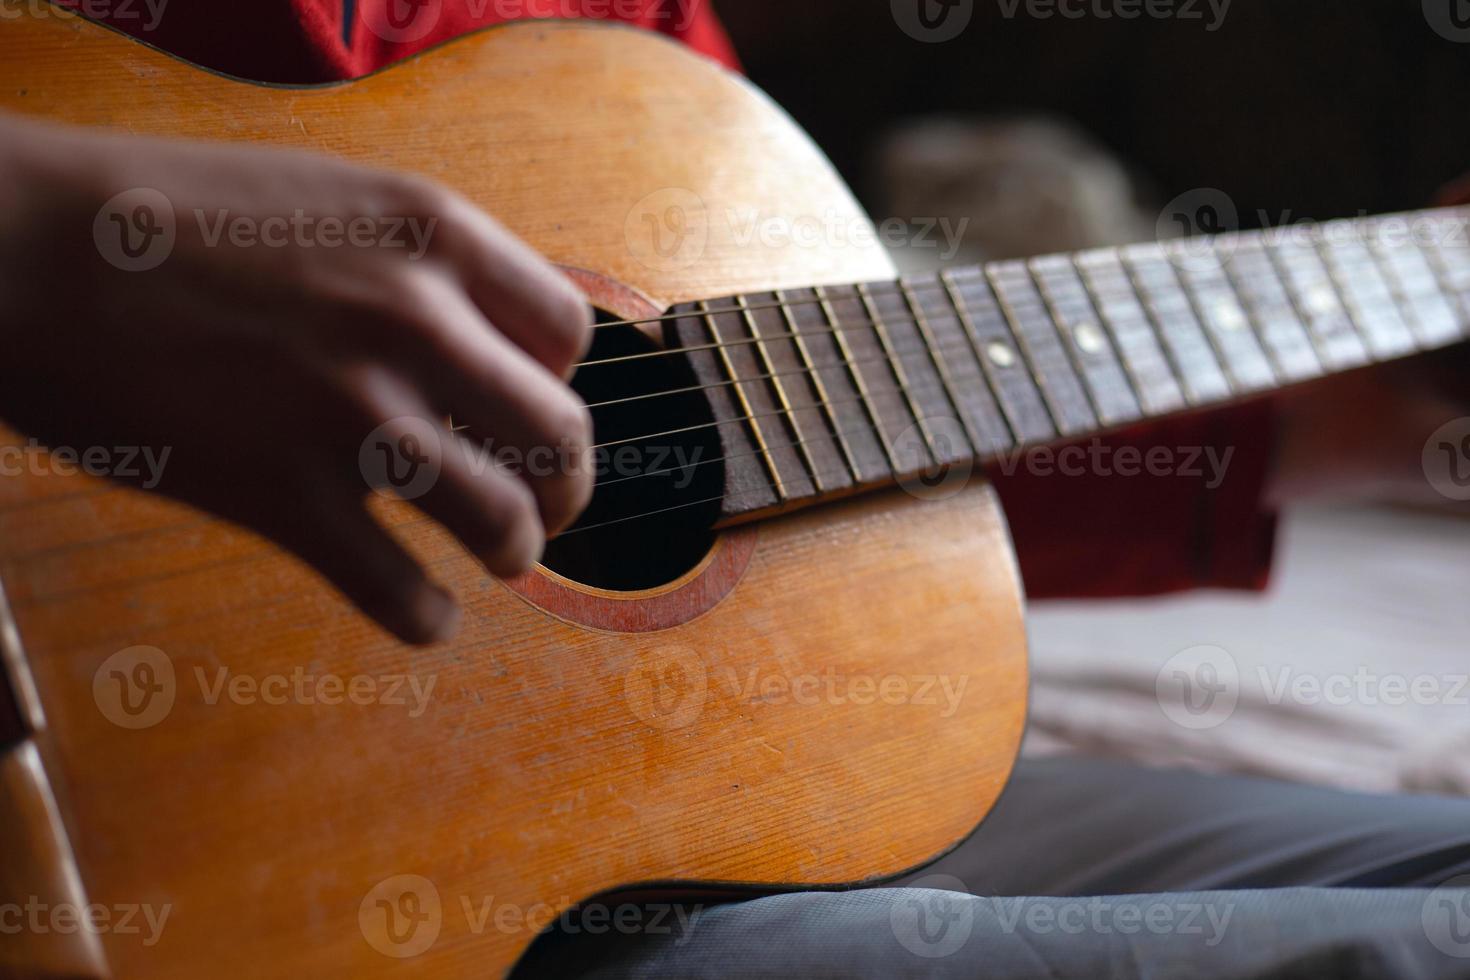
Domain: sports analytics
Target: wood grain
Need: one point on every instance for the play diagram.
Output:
(796, 732)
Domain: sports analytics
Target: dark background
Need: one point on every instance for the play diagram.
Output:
(1296, 109)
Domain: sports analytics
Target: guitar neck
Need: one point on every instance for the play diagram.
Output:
(823, 391)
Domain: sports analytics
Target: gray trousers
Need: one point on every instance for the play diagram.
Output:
(1095, 869)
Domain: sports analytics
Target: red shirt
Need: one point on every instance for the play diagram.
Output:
(305, 41)
(1104, 519)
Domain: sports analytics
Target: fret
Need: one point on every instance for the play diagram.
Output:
(911, 392)
(748, 485)
(873, 401)
(1267, 304)
(1218, 310)
(1415, 287)
(931, 347)
(842, 385)
(996, 356)
(747, 408)
(1116, 302)
(1320, 306)
(1092, 352)
(1200, 370)
(970, 389)
(1369, 302)
(876, 382)
(1449, 256)
(1036, 334)
(819, 387)
(1410, 280)
(800, 440)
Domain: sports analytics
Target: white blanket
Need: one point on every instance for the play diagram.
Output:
(1353, 671)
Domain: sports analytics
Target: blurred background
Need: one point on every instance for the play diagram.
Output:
(1306, 108)
(1055, 133)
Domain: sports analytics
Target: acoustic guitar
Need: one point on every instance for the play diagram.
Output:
(790, 654)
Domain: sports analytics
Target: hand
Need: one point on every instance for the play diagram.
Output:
(266, 345)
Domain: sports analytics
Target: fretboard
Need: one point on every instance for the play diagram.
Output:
(824, 391)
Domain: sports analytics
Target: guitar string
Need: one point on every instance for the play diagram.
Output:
(267, 551)
(406, 524)
(814, 477)
(1173, 251)
(832, 431)
(705, 317)
(202, 519)
(895, 285)
(793, 372)
(837, 433)
(703, 314)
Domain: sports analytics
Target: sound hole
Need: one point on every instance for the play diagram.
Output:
(658, 490)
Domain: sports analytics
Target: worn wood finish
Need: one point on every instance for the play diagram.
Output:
(552, 760)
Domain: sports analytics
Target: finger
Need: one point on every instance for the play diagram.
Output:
(533, 423)
(334, 533)
(492, 513)
(528, 300)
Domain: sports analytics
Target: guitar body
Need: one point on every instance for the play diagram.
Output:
(828, 697)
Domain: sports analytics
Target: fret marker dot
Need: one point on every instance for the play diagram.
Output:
(1229, 317)
(1089, 338)
(1000, 355)
(1321, 301)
